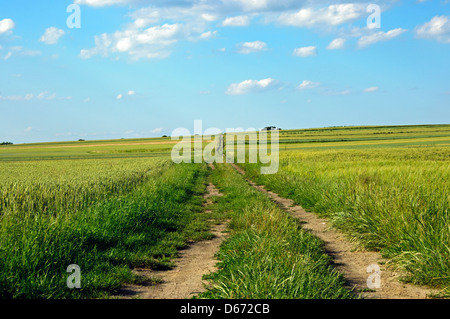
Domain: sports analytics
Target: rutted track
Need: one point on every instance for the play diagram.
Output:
(185, 279)
(352, 264)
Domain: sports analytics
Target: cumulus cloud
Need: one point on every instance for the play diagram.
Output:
(6, 25)
(30, 96)
(305, 51)
(120, 96)
(46, 96)
(307, 85)
(379, 36)
(328, 92)
(16, 97)
(336, 44)
(52, 35)
(153, 42)
(251, 47)
(438, 28)
(252, 86)
(101, 3)
(18, 51)
(332, 15)
(209, 17)
(7, 55)
(206, 35)
(159, 25)
(238, 21)
(371, 89)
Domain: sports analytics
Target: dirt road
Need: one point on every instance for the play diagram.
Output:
(185, 279)
(352, 264)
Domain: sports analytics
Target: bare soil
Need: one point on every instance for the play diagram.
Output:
(185, 279)
(349, 261)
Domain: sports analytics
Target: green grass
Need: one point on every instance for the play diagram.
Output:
(393, 200)
(268, 255)
(109, 206)
(143, 227)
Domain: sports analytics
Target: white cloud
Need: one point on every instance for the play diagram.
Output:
(120, 96)
(371, 89)
(6, 25)
(238, 21)
(207, 35)
(28, 129)
(333, 15)
(251, 47)
(251, 86)
(153, 42)
(157, 130)
(336, 44)
(23, 52)
(30, 96)
(12, 98)
(224, 5)
(305, 51)
(101, 3)
(209, 17)
(18, 50)
(158, 26)
(251, 5)
(307, 85)
(46, 96)
(438, 28)
(7, 56)
(379, 36)
(336, 93)
(52, 35)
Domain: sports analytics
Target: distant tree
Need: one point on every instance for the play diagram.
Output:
(164, 136)
(6, 143)
(269, 128)
(81, 140)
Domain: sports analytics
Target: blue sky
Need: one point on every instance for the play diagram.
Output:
(141, 68)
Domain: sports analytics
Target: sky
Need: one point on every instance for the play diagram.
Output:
(107, 69)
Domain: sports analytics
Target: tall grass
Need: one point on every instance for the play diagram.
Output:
(392, 200)
(143, 226)
(268, 255)
(55, 187)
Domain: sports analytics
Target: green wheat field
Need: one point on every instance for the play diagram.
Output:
(110, 206)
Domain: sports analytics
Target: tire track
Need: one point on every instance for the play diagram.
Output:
(352, 264)
(185, 279)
